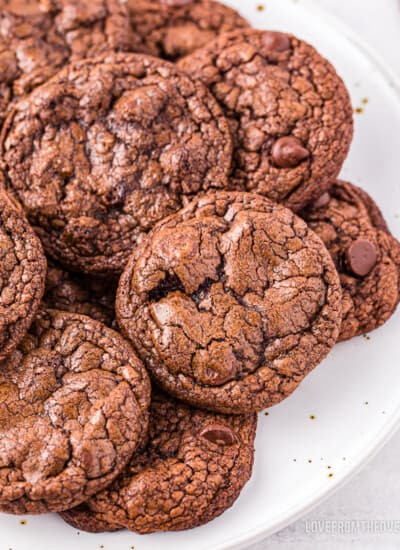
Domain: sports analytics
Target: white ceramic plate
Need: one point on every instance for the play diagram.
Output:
(354, 395)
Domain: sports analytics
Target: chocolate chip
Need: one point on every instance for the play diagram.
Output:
(276, 41)
(219, 434)
(288, 152)
(322, 201)
(361, 257)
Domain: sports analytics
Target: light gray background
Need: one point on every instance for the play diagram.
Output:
(374, 494)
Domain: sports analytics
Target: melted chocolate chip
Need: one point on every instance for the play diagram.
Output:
(361, 257)
(322, 201)
(288, 152)
(276, 41)
(218, 434)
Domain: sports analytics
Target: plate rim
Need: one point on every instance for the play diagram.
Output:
(392, 425)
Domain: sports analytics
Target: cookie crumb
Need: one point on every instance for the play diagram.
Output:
(260, 7)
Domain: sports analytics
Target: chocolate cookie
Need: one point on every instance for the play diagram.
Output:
(289, 111)
(174, 28)
(81, 294)
(74, 401)
(231, 302)
(38, 37)
(22, 274)
(366, 255)
(107, 148)
(193, 468)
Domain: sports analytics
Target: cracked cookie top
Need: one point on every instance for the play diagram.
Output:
(366, 255)
(107, 148)
(289, 112)
(78, 293)
(172, 29)
(192, 469)
(74, 401)
(230, 302)
(22, 274)
(38, 37)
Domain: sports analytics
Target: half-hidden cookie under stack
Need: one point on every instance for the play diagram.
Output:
(38, 37)
(192, 468)
(366, 255)
(22, 274)
(176, 28)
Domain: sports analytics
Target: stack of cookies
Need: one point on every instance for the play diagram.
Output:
(169, 212)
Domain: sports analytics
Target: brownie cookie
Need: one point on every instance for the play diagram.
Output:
(22, 274)
(289, 111)
(81, 294)
(107, 148)
(174, 28)
(366, 255)
(38, 37)
(230, 302)
(193, 468)
(74, 401)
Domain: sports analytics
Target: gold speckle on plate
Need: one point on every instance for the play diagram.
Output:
(329, 467)
(366, 402)
(359, 110)
(331, 474)
(266, 414)
(260, 7)
(312, 417)
(309, 460)
(366, 337)
(23, 522)
(365, 100)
